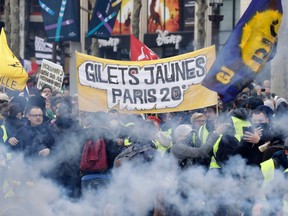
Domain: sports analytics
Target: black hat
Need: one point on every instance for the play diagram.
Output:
(268, 111)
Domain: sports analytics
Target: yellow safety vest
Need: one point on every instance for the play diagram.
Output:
(5, 135)
(239, 124)
(169, 131)
(203, 134)
(213, 163)
(127, 142)
(268, 168)
(160, 147)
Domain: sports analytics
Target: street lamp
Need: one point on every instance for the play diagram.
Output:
(216, 18)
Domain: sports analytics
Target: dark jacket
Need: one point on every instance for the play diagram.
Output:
(12, 124)
(33, 139)
(66, 154)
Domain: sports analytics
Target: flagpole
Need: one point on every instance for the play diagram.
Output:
(54, 52)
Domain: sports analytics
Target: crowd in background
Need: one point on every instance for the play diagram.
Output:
(47, 126)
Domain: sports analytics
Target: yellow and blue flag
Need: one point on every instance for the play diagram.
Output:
(12, 73)
(103, 19)
(250, 46)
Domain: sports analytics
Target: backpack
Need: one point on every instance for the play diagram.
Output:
(142, 153)
(94, 157)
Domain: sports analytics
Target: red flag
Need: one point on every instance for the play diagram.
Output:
(140, 51)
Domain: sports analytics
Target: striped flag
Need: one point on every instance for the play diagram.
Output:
(44, 50)
(103, 18)
(60, 19)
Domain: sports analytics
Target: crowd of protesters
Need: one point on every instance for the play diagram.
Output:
(46, 126)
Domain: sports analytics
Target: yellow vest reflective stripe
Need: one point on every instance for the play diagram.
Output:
(267, 168)
(239, 124)
(203, 134)
(213, 163)
(5, 135)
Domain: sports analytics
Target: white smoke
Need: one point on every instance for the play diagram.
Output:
(137, 190)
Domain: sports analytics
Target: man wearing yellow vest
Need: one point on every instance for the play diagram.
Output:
(184, 152)
(278, 161)
(259, 134)
(240, 120)
(12, 121)
(209, 126)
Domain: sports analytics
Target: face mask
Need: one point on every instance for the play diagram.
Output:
(262, 125)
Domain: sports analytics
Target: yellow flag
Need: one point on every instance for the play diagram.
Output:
(12, 74)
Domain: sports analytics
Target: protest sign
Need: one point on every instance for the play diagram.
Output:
(51, 74)
(155, 86)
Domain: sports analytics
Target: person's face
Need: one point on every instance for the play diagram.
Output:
(46, 93)
(210, 114)
(35, 117)
(259, 118)
(197, 123)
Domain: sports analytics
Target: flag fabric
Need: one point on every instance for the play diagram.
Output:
(103, 18)
(250, 46)
(44, 50)
(12, 74)
(61, 21)
(139, 51)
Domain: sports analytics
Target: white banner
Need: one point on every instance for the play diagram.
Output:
(51, 74)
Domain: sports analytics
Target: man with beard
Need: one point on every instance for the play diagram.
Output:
(209, 126)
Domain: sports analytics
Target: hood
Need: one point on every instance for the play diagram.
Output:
(241, 113)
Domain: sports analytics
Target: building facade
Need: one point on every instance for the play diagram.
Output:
(168, 27)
